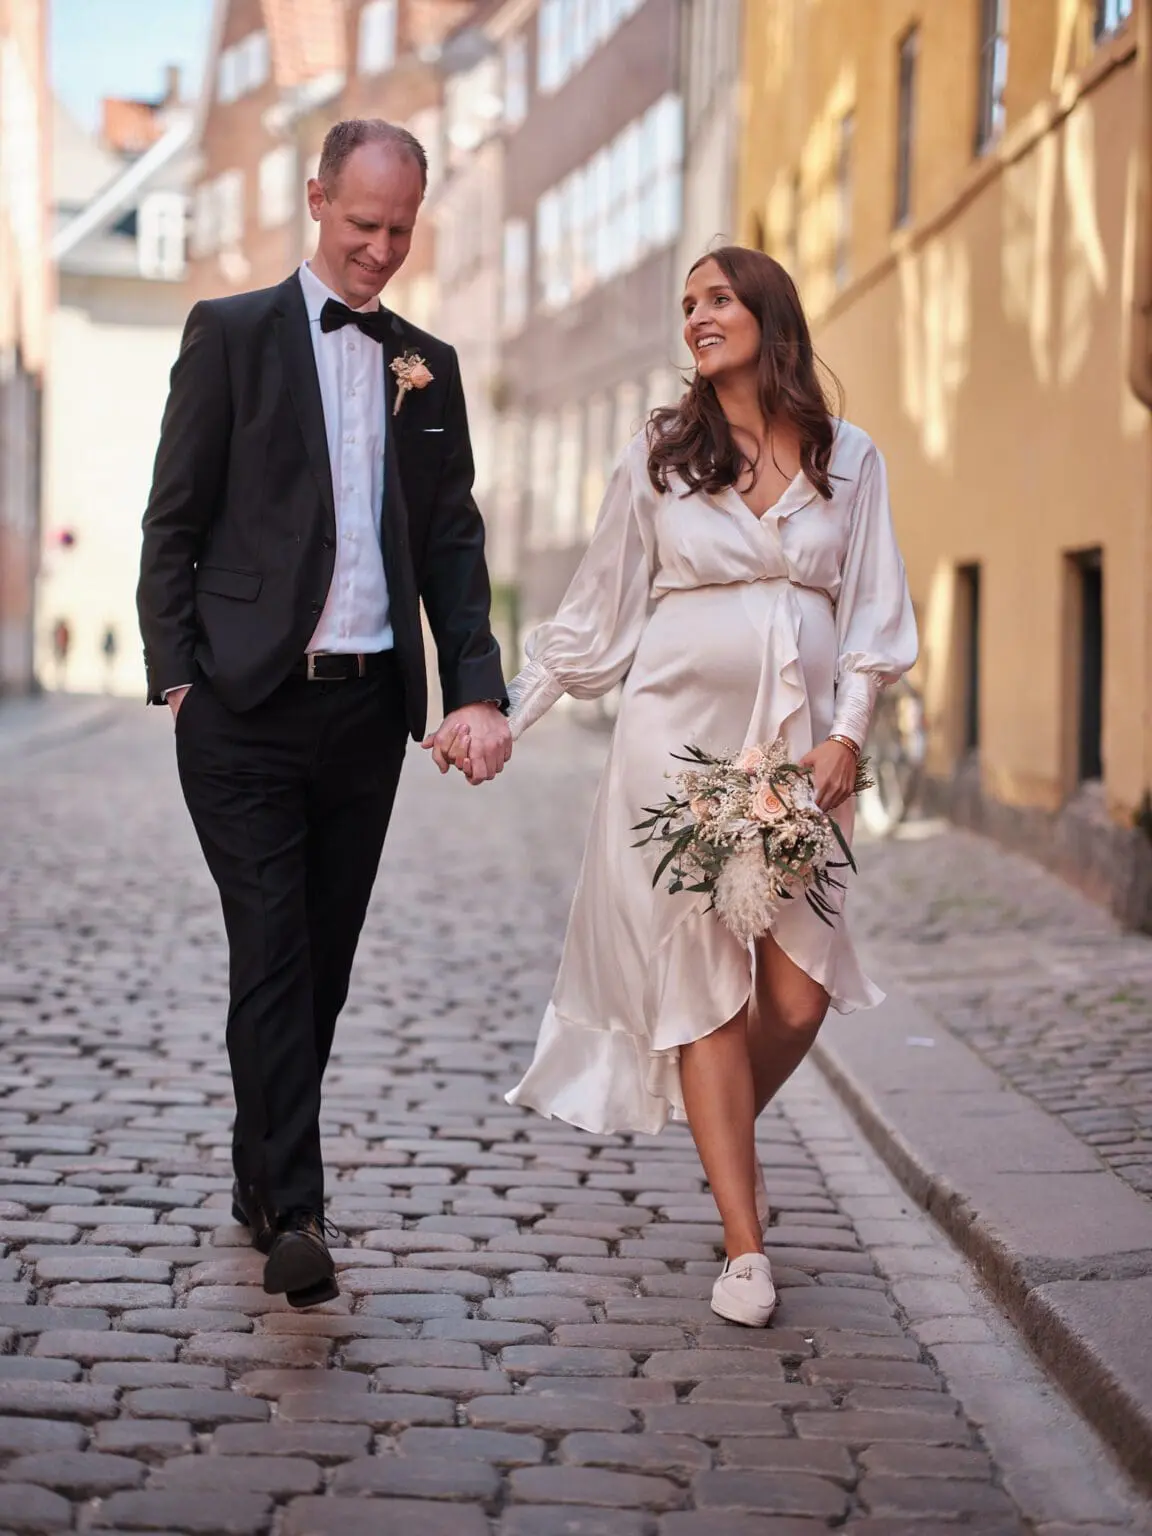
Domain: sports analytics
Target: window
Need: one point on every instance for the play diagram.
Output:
(205, 220)
(548, 69)
(993, 72)
(1111, 16)
(309, 229)
(277, 186)
(608, 214)
(1087, 572)
(664, 388)
(844, 199)
(515, 290)
(567, 476)
(597, 461)
(542, 481)
(203, 237)
(244, 67)
(667, 126)
(968, 654)
(255, 61)
(600, 177)
(230, 208)
(905, 123)
(161, 234)
(228, 86)
(629, 414)
(426, 126)
(548, 254)
(630, 236)
(377, 44)
(569, 33)
(515, 80)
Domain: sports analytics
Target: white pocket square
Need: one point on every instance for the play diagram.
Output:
(433, 429)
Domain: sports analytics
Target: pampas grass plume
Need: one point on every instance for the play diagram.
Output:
(744, 894)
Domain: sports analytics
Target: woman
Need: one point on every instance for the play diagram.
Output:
(744, 578)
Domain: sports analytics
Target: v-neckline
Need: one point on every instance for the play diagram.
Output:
(783, 496)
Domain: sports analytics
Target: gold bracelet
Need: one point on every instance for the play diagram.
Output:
(846, 741)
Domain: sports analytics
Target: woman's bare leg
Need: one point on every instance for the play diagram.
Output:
(720, 1100)
(785, 1013)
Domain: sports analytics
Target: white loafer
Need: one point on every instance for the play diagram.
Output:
(744, 1292)
(763, 1209)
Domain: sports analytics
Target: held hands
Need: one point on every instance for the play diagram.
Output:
(833, 768)
(475, 739)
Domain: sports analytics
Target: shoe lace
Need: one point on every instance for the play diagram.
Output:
(320, 1222)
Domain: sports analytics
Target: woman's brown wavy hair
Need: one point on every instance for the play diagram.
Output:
(693, 438)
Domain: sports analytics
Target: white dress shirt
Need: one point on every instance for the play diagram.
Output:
(351, 371)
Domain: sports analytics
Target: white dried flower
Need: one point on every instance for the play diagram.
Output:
(744, 894)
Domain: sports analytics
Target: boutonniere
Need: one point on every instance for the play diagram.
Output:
(412, 372)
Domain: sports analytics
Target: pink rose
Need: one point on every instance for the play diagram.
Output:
(420, 376)
(767, 805)
(750, 761)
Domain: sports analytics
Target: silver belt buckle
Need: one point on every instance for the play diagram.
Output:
(310, 669)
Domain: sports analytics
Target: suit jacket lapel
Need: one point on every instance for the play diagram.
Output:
(395, 521)
(295, 342)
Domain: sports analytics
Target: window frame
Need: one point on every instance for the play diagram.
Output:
(371, 60)
(162, 236)
(992, 73)
(275, 204)
(516, 79)
(1112, 16)
(230, 209)
(907, 78)
(515, 276)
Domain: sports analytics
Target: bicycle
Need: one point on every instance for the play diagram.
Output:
(896, 747)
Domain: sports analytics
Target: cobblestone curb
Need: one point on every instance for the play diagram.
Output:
(1064, 1244)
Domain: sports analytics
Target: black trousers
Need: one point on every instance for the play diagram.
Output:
(291, 802)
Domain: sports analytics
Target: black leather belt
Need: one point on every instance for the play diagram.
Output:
(326, 667)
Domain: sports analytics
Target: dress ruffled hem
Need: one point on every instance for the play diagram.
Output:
(603, 1080)
(610, 1081)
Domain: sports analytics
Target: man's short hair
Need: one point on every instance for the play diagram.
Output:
(342, 139)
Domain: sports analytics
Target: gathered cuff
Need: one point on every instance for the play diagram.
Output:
(856, 695)
(531, 693)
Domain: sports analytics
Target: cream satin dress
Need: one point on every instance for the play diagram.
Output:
(730, 631)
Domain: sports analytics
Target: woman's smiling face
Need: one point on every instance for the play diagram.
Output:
(722, 334)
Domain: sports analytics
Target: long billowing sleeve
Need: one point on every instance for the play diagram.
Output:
(589, 646)
(875, 626)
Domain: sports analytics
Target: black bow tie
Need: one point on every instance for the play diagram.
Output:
(373, 322)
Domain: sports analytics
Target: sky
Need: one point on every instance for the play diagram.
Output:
(120, 47)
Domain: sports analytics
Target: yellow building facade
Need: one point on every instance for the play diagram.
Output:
(960, 189)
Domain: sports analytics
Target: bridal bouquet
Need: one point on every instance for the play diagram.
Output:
(747, 831)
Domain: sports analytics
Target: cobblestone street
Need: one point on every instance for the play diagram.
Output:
(523, 1344)
(1035, 977)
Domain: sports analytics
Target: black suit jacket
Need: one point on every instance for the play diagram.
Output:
(240, 529)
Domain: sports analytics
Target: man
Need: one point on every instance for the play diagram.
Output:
(313, 483)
